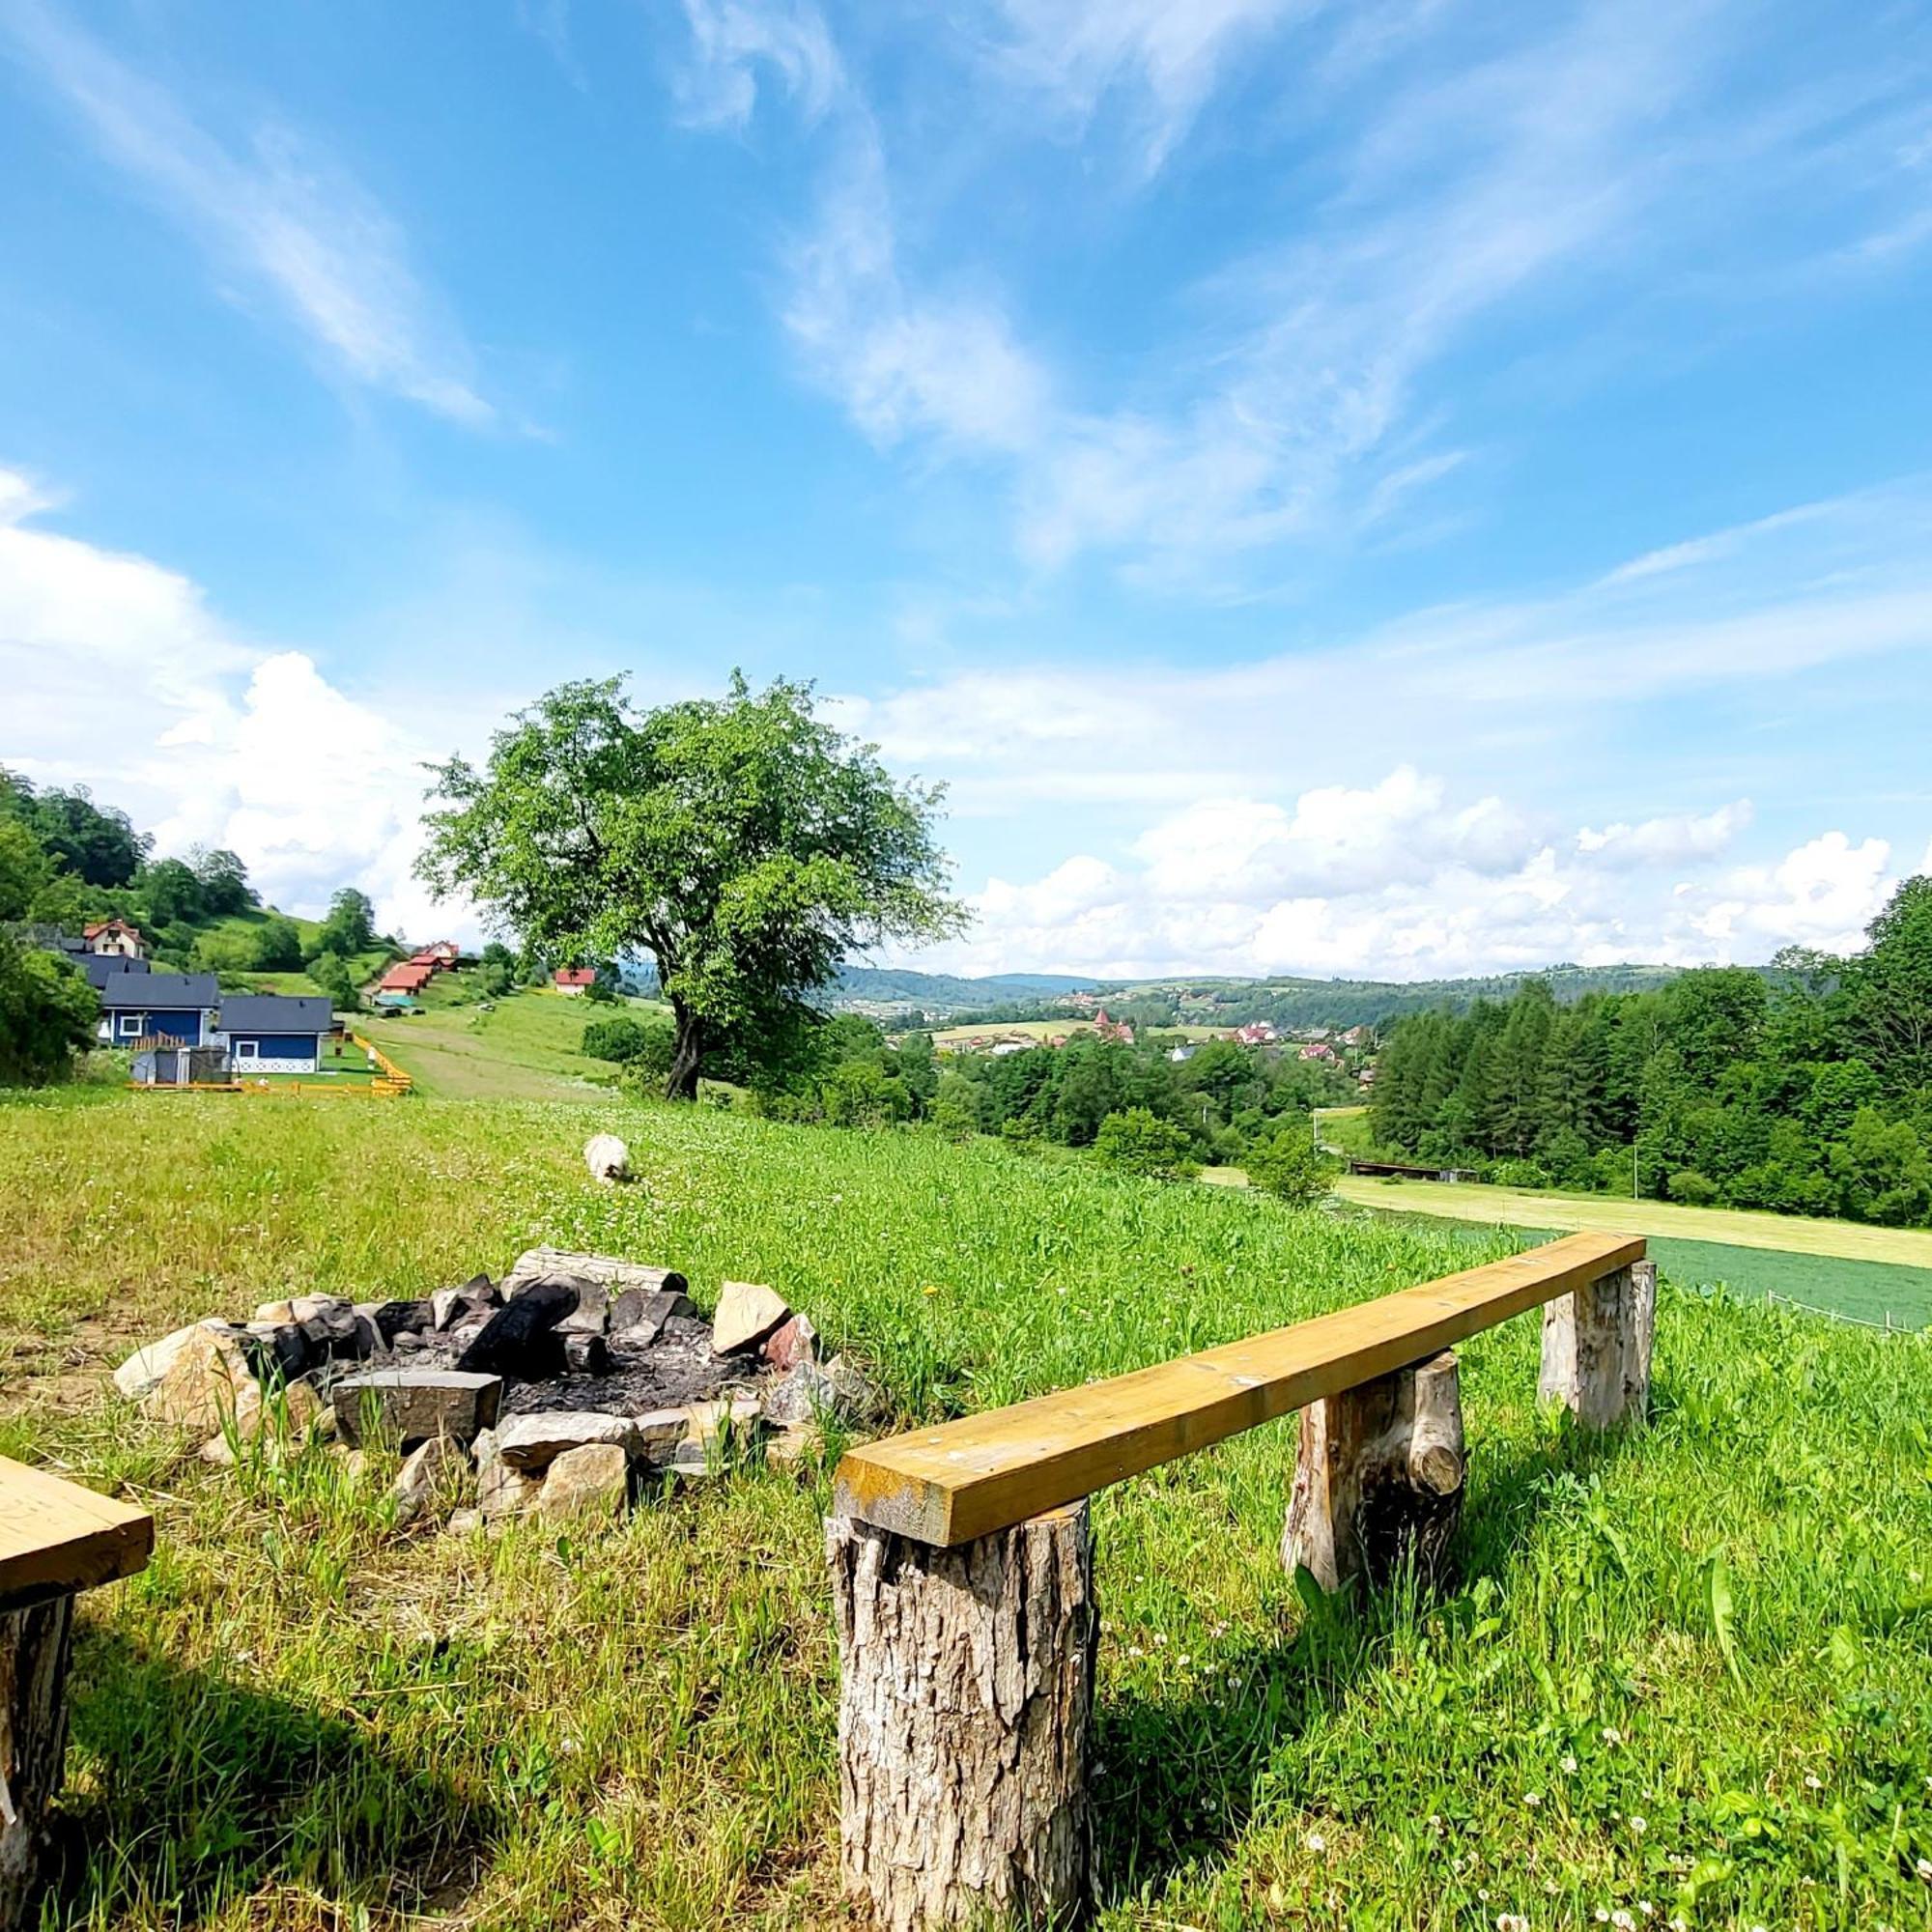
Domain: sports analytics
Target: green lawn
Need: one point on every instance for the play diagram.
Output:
(1689, 1669)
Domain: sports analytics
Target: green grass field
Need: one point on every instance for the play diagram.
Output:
(1687, 1671)
(523, 1047)
(1862, 1271)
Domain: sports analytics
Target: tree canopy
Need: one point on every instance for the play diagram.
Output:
(743, 845)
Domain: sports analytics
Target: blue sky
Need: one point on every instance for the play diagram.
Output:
(1406, 488)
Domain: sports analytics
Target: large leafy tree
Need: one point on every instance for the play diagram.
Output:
(743, 844)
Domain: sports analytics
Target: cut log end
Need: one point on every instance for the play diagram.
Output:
(966, 1697)
(1378, 1479)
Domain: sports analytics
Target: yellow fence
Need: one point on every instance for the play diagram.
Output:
(389, 1082)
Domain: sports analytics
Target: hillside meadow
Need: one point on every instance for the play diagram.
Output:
(1687, 1672)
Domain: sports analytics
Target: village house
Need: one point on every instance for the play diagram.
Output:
(113, 937)
(1114, 1030)
(404, 980)
(177, 1006)
(1257, 1033)
(273, 1033)
(574, 981)
(1319, 1050)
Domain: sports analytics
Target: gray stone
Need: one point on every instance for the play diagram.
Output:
(414, 1405)
(536, 1440)
(746, 1315)
(658, 1433)
(450, 1307)
(144, 1369)
(805, 1393)
(638, 1316)
(432, 1467)
(463, 1521)
(594, 1477)
(587, 1354)
(208, 1385)
(501, 1491)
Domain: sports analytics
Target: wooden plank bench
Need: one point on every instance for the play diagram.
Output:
(961, 1555)
(56, 1539)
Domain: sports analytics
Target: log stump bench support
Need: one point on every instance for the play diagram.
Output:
(962, 1556)
(56, 1539)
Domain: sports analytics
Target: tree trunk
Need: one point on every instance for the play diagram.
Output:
(34, 1646)
(966, 1698)
(687, 1054)
(1596, 1346)
(1379, 1478)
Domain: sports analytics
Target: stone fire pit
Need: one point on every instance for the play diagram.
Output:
(562, 1387)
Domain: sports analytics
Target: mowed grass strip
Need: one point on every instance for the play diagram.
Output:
(1691, 1667)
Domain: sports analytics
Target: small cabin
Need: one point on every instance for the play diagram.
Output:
(574, 981)
(136, 1007)
(274, 1032)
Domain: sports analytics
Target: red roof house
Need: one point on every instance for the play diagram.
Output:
(408, 978)
(574, 981)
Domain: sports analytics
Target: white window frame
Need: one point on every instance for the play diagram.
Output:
(247, 1051)
(129, 1026)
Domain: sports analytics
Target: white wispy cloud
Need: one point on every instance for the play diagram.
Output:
(273, 211)
(1074, 53)
(734, 42)
(1296, 395)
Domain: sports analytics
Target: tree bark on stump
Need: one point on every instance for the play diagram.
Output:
(965, 1710)
(1596, 1346)
(34, 1645)
(1379, 1478)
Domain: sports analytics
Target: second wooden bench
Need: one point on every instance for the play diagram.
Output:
(962, 1556)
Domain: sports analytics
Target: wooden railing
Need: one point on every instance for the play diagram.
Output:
(962, 1556)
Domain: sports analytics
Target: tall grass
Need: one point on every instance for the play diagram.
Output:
(1691, 1669)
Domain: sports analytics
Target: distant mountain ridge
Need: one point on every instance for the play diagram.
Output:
(1283, 999)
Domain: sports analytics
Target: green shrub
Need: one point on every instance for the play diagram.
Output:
(1138, 1142)
(619, 1039)
(1290, 1167)
(1693, 1189)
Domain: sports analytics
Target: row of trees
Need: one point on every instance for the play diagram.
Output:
(1804, 1089)
(1218, 1105)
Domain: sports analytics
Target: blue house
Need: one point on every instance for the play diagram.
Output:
(158, 1006)
(273, 1033)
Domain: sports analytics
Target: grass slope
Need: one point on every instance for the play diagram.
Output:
(1691, 1667)
(524, 1047)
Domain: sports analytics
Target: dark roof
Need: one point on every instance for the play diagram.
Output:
(275, 1013)
(161, 992)
(100, 968)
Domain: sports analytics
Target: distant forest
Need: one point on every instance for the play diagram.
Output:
(1804, 1089)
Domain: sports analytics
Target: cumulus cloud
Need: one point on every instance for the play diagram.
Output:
(1672, 839)
(121, 677)
(1372, 904)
